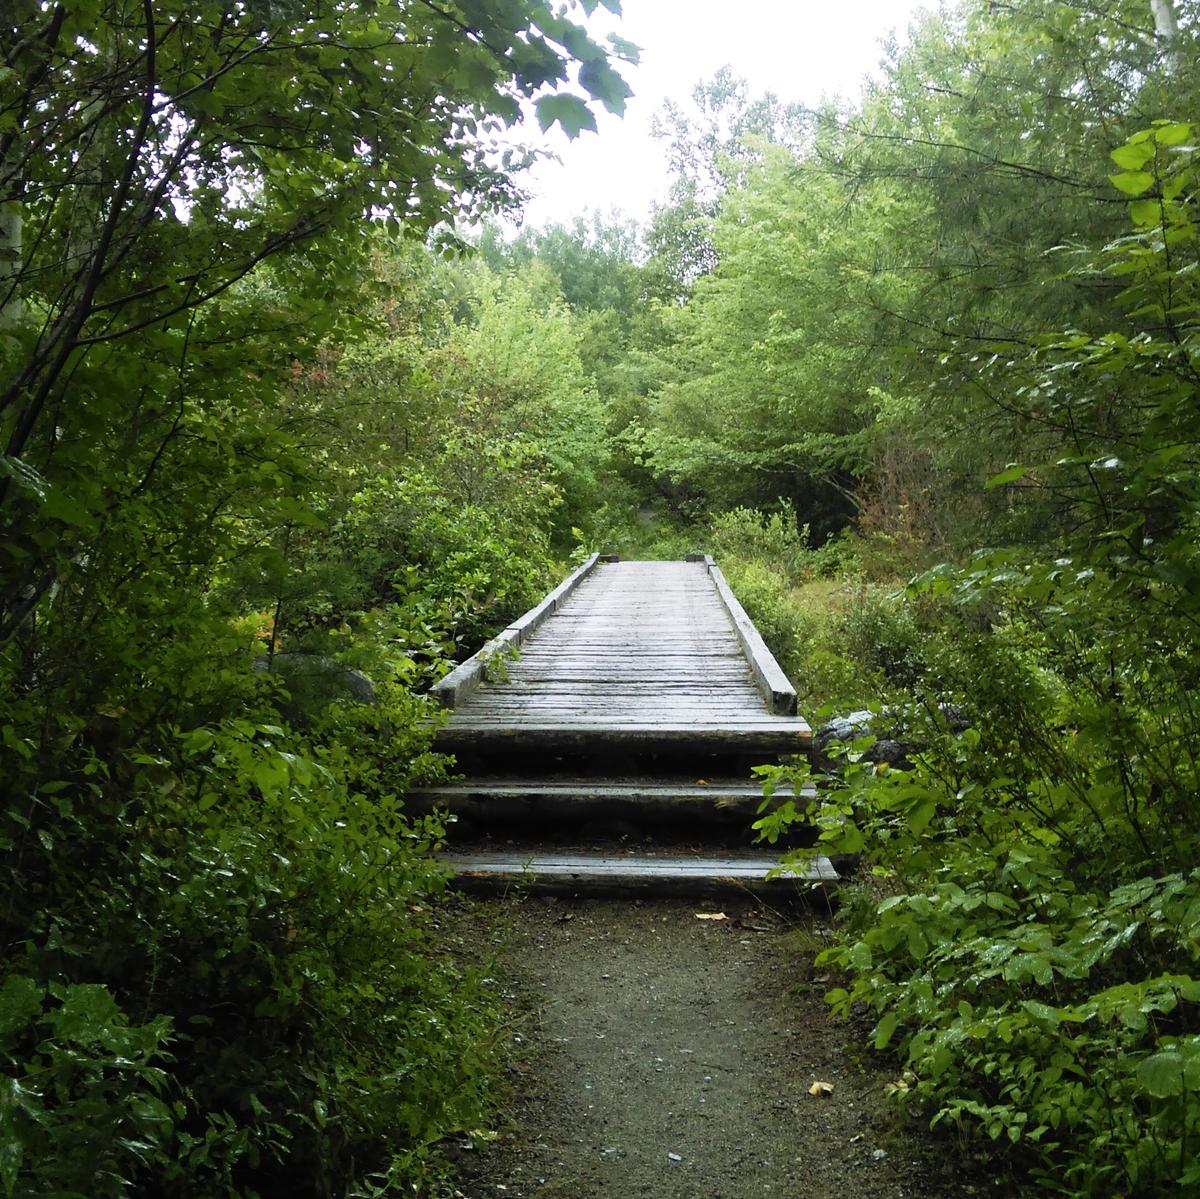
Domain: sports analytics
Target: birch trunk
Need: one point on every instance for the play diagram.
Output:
(11, 308)
(1166, 30)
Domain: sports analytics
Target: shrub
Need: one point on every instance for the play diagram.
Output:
(877, 630)
(223, 977)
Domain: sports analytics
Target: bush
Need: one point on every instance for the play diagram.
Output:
(774, 539)
(226, 980)
(878, 631)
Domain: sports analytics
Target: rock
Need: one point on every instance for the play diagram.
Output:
(894, 751)
(314, 681)
(842, 729)
(846, 728)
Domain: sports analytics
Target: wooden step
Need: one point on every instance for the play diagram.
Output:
(638, 874)
(501, 801)
(609, 729)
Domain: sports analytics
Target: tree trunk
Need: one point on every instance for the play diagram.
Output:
(11, 308)
(1166, 30)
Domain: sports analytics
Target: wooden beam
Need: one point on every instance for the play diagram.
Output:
(466, 676)
(597, 732)
(638, 875)
(686, 805)
(772, 682)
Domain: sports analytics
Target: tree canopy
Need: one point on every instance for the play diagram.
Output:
(291, 423)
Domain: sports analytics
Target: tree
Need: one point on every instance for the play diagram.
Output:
(189, 196)
(709, 149)
(775, 350)
(152, 155)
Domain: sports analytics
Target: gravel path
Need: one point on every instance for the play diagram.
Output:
(661, 1055)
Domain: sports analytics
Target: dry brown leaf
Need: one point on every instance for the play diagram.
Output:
(711, 916)
(821, 1088)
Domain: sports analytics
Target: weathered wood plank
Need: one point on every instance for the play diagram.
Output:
(777, 690)
(643, 653)
(637, 875)
(465, 678)
(582, 790)
(681, 806)
(691, 737)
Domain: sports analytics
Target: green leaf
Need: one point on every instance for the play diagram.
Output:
(88, 1014)
(839, 999)
(1174, 133)
(1161, 1074)
(1132, 157)
(12, 1098)
(1133, 183)
(69, 510)
(23, 475)
(1042, 1012)
(918, 944)
(1145, 212)
(920, 814)
(569, 111)
(1173, 188)
(885, 1030)
(859, 956)
(1011, 475)
(605, 85)
(626, 50)
(20, 1004)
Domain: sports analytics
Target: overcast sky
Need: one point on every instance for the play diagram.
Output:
(801, 50)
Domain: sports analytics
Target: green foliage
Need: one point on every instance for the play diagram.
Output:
(245, 412)
(1031, 948)
(755, 405)
(879, 631)
(83, 1090)
(823, 624)
(237, 414)
(263, 897)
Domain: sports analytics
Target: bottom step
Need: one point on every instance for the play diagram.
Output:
(559, 873)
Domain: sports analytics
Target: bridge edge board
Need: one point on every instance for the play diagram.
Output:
(465, 678)
(775, 686)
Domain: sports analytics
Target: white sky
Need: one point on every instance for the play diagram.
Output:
(802, 50)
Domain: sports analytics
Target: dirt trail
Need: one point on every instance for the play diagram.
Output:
(666, 1056)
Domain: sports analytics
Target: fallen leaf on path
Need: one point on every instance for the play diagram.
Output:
(821, 1088)
(711, 916)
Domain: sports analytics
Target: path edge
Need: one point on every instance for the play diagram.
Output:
(465, 678)
(774, 685)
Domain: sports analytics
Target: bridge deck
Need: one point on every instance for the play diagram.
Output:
(632, 653)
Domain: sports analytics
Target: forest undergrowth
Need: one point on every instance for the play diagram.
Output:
(280, 445)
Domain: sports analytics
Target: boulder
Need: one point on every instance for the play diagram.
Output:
(892, 750)
(314, 680)
(861, 724)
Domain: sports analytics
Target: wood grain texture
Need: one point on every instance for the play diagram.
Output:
(584, 872)
(633, 654)
(769, 677)
(465, 678)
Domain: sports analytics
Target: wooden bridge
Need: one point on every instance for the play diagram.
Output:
(622, 712)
